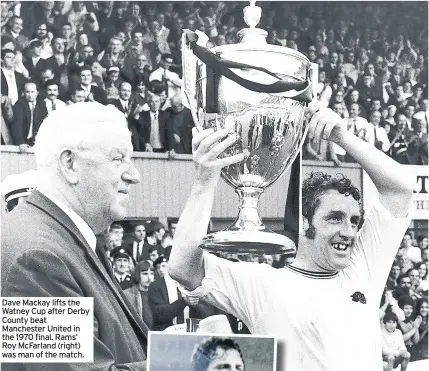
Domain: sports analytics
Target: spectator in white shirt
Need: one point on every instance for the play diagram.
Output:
(324, 90)
(407, 249)
(375, 134)
(355, 123)
(163, 74)
(52, 102)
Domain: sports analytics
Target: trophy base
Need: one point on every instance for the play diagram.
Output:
(257, 242)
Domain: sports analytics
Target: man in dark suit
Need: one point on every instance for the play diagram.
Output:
(12, 82)
(139, 248)
(417, 150)
(56, 254)
(129, 107)
(59, 60)
(13, 28)
(332, 68)
(34, 63)
(28, 114)
(167, 303)
(155, 133)
(92, 93)
(181, 124)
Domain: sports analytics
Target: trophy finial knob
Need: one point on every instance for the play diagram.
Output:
(252, 14)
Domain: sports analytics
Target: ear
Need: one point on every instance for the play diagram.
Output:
(68, 166)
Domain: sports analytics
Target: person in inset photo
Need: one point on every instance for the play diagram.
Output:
(217, 353)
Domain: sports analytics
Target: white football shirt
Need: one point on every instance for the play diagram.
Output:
(325, 321)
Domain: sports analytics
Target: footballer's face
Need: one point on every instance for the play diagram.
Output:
(335, 222)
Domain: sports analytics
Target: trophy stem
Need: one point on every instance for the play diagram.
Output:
(248, 218)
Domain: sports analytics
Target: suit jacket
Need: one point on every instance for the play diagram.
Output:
(165, 131)
(134, 296)
(35, 71)
(181, 123)
(163, 312)
(417, 150)
(50, 257)
(99, 95)
(58, 70)
(132, 122)
(22, 120)
(20, 82)
(145, 251)
(21, 41)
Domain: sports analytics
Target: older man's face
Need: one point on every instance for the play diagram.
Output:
(105, 175)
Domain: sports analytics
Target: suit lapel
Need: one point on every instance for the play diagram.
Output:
(45, 204)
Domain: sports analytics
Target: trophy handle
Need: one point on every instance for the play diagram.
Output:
(223, 67)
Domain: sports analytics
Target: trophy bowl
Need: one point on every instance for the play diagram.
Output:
(259, 92)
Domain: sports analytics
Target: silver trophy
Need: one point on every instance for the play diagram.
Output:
(259, 91)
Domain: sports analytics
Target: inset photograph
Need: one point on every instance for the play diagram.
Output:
(209, 352)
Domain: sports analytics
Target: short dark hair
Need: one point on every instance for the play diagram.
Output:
(142, 266)
(421, 237)
(390, 316)
(6, 51)
(51, 82)
(166, 56)
(157, 87)
(318, 183)
(206, 352)
(76, 89)
(11, 19)
(56, 38)
(402, 276)
(116, 226)
(138, 225)
(405, 300)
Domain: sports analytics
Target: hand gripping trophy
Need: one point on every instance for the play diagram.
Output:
(259, 91)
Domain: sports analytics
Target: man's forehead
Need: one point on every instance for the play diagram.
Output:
(333, 200)
(225, 355)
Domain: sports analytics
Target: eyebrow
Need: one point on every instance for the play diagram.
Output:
(341, 214)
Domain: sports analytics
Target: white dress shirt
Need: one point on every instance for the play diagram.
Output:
(155, 138)
(374, 133)
(11, 85)
(137, 249)
(58, 104)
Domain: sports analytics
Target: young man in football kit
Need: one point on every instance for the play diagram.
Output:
(342, 263)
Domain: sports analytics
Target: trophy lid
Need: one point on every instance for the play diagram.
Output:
(254, 47)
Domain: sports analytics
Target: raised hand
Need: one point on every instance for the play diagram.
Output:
(207, 145)
(324, 123)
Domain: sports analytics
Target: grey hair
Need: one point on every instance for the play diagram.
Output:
(75, 127)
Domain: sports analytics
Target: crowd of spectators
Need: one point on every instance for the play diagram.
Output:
(139, 263)
(372, 60)
(404, 305)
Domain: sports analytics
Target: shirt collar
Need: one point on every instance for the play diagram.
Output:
(120, 276)
(83, 227)
(8, 72)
